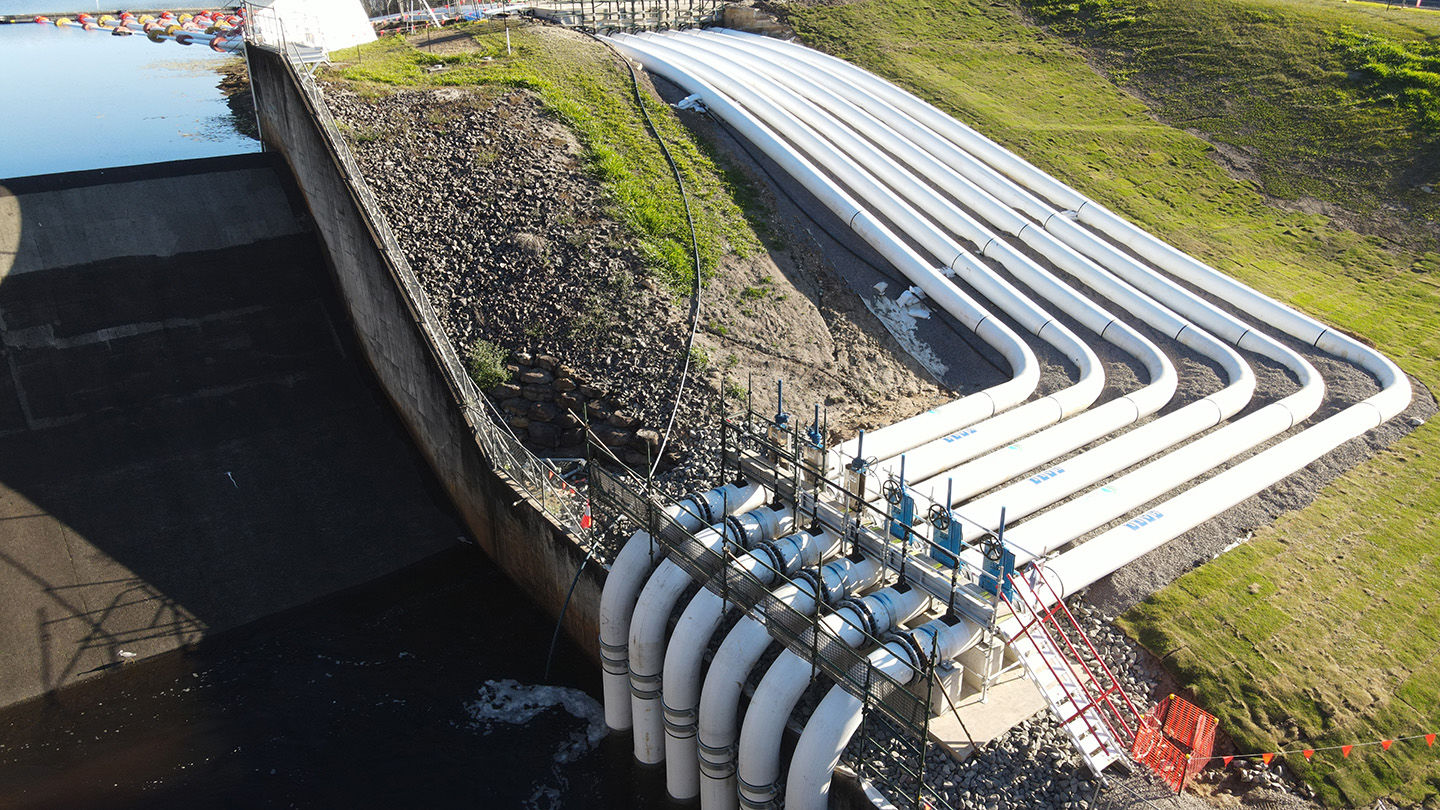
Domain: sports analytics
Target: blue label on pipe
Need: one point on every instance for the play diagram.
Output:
(1046, 476)
(1144, 520)
(962, 434)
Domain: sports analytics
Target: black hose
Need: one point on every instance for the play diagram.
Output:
(694, 251)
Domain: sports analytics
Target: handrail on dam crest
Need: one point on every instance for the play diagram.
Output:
(535, 477)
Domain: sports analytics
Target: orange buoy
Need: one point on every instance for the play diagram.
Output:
(90, 26)
(217, 44)
(83, 17)
(126, 16)
(42, 19)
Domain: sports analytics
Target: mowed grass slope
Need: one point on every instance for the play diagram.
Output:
(1340, 642)
(588, 88)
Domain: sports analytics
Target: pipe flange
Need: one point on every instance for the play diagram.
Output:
(912, 645)
(866, 614)
(735, 529)
(775, 559)
(702, 505)
(811, 577)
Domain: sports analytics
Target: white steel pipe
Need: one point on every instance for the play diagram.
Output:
(1048, 486)
(839, 714)
(1124, 544)
(637, 558)
(929, 459)
(652, 614)
(742, 648)
(1022, 178)
(684, 657)
(924, 461)
(938, 421)
(786, 680)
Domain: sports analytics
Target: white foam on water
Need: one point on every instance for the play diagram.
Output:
(509, 702)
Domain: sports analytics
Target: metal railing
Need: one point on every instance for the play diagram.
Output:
(628, 15)
(538, 478)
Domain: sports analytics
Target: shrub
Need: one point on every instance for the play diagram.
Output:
(486, 364)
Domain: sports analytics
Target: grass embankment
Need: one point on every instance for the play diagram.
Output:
(588, 88)
(1340, 639)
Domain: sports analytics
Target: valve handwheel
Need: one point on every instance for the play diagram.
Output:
(991, 548)
(939, 517)
(891, 491)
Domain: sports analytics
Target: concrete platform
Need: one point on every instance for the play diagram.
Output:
(1012, 700)
(188, 439)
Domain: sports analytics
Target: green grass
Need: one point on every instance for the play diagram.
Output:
(586, 87)
(1342, 640)
(1406, 74)
(1308, 91)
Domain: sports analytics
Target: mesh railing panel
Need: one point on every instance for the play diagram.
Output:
(801, 633)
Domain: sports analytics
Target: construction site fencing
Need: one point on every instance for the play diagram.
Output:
(539, 478)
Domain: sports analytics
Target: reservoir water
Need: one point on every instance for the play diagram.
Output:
(72, 99)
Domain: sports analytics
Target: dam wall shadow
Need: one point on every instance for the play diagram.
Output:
(187, 441)
(415, 365)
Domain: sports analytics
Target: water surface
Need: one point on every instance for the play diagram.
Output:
(72, 99)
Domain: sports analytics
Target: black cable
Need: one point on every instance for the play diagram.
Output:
(694, 251)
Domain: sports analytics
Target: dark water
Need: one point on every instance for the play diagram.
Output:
(415, 691)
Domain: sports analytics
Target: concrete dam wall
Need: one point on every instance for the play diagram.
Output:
(187, 441)
(414, 363)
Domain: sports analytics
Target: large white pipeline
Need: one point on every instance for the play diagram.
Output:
(1124, 544)
(1047, 487)
(742, 648)
(1043, 489)
(862, 182)
(876, 178)
(930, 459)
(684, 657)
(839, 714)
(637, 558)
(785, 682)
(649, 621)
(1020, 176)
